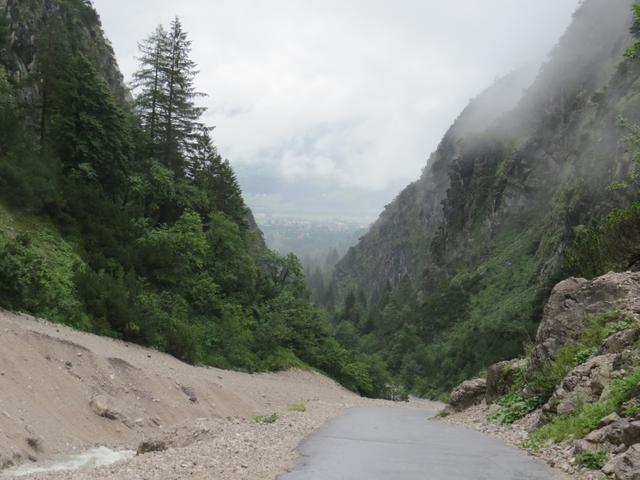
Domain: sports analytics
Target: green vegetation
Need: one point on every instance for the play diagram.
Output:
(634, 51)
(598, 327)
(266, 419)
(513, 407)
(297, 407)
(124, 220)
(592, 460)
(455, 330)
(587, 418)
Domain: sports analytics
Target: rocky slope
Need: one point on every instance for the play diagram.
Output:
(493, 213)
(575, 399)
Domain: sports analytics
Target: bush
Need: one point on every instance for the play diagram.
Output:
(513, 407)
(592, 460)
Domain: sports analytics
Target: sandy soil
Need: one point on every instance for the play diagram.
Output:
(63, 391)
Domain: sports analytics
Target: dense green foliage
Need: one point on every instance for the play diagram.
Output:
(127, 222)
(434, 343)
(513, 407)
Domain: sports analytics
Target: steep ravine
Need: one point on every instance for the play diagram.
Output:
(487, 226)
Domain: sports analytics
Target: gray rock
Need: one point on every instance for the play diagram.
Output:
(467, 394)
(619, 432)
(501, 377)
(619, 342)
(586, 383)
(190, 393)
(625, 466)
(149, 446)
(101, 406)
(572, 300)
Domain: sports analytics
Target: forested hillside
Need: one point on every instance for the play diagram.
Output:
(454, 274)
(118, 216)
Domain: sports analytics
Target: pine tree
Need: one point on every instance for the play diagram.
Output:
(147, 81)
(166, 96)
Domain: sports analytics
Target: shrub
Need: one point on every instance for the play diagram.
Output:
(266, 419)
(513, 407)
(592, 460)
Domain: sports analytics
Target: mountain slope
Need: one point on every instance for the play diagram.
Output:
(467, 253)
(115, 226)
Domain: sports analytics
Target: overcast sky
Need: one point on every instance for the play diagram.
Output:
(330, 107)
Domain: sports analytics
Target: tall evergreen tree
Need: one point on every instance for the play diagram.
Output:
(166, 97)
(148, 81)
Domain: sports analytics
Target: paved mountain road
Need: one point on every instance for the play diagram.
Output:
(377, 443)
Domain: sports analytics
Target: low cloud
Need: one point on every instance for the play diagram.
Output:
(350, 94)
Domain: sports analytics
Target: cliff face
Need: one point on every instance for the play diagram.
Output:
(32, 26)
(494, 210)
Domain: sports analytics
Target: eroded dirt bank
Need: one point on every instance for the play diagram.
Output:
(64, 392)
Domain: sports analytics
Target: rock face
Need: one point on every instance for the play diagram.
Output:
(619, 342)
(27, 22)
(584, 384)
(468, 393)
(626, 466)
(573, 300)
(501, 377)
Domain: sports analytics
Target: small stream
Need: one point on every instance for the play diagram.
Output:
(96, 457)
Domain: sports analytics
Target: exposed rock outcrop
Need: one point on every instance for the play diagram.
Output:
(467, 394)
(501, 377)
(626, 466)
(584, 384)
(570, 304)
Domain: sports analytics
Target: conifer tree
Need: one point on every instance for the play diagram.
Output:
(166, 97)
(147, 81)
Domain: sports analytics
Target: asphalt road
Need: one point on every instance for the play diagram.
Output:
(402, 444)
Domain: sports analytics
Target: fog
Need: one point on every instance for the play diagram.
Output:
(328, 108)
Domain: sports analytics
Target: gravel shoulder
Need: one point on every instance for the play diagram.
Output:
(65, 392)
(559, 457)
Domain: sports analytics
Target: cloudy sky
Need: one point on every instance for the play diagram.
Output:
(328, 108)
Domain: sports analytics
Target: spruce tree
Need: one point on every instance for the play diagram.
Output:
(148, 81)
(165, 97)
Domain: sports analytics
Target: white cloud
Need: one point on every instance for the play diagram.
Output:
(356, 92)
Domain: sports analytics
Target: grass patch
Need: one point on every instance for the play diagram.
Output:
(592, 460)
(297, 407)
(266, 419)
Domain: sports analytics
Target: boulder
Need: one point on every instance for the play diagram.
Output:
(572, 300)
(149, 446)
(612, 437)
(619, 342)
(501, 376)
(586, 383)
(625, 466)
(102, 406)
(467, 394)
